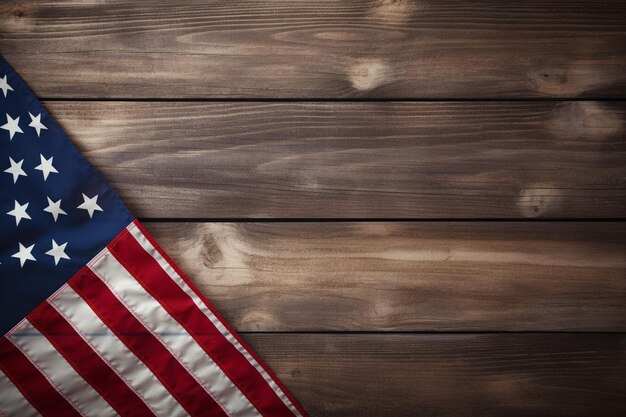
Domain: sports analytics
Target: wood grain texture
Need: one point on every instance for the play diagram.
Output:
(317, 48)
(451, 375)
(416, 276)
(357, 160)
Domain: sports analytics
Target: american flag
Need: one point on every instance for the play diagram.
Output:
(96, 319)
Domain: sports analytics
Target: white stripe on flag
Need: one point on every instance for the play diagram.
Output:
(148, 247)
(78, 313)
(182, 345)
(59, 372)
(12, 402)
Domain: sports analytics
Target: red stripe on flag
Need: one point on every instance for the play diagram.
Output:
(191, 396)
(147, 271)
(32, 384)
(87, 362)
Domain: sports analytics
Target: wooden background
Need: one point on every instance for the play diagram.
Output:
(406, 207)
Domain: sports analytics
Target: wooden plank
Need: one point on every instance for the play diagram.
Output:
(451, 375)
(407, 276)
(358, 160)
(318, 48)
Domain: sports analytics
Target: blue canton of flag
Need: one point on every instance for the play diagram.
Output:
(56, 211)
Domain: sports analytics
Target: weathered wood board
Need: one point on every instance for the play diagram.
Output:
(358, 160)
(530, 374)
(419, 276)
(317, 48)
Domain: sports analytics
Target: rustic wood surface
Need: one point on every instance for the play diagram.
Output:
(409, 207)
(318, 48)
(451, 375)
(358, 160)
(381, 276)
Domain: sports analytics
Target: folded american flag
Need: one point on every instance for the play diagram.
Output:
(97, 320)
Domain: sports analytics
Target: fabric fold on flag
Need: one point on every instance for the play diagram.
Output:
(96, 319)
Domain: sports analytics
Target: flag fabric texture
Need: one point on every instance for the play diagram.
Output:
(96, 319)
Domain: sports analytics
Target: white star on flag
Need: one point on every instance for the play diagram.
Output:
(58, 252)
(15, 169)
(19, 212)
(24, 254)
(54, 208)
(12, 125)
(46, 167)
(36, 123)
(90, 204)
(4, 86)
